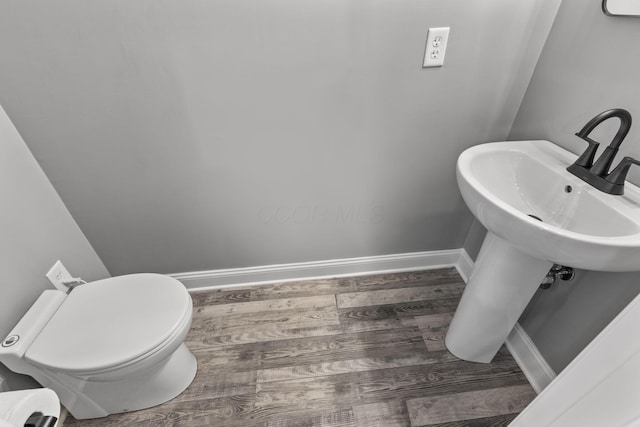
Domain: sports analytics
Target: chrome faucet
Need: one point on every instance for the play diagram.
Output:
(597, 173)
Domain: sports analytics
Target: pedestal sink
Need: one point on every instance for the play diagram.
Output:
(536, 214)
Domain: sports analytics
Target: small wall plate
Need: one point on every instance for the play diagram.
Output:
(621, 7)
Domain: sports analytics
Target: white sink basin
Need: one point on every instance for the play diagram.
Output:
(505, 182)
(536, 214)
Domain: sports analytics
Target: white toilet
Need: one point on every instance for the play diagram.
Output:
(110, 346)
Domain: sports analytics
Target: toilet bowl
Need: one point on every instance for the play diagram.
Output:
(109, 346)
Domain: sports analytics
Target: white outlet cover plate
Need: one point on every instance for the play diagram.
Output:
(436, 48)
(57, 275)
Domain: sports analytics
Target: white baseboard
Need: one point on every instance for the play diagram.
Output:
(64, 413)
(216, 279)
(464, 265)
(527, 356)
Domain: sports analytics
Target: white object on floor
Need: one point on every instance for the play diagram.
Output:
(17, 406)
(110, 346)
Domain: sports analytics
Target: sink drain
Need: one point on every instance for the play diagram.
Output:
(536, 217)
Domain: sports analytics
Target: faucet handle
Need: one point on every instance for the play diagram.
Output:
(619, 174)
(586, 158)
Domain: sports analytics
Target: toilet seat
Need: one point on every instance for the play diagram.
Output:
(112, 323)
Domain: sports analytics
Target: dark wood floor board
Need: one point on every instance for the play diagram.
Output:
(434, 328)
(332, 286)
(398, 358)
(399, 295)
(336, 419)
(211, 412)
(382, 414)
(362, 319)
(226, 358)
(434, 341)
(304, 351)
(315, 396)
(387, 384)
(408, 312)
(199, 341)
(238, 411)
(429, 380)
(469, 405)
(499, 421)
(300, 288)
(253, 308)
(342, 418)
(215, 385)
(297, 416)
(307, 350)
(403, 280)
(392, 316)
(265, 321)
(220, 296)
(285, 355)
(433, 322)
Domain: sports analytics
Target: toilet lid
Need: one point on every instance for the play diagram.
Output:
(110, 322)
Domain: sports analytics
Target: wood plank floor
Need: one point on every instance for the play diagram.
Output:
(345, 352)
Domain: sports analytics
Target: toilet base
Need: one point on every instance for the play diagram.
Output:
(86, 398)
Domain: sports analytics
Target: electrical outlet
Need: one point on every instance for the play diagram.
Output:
(436, 47)
(57, 275)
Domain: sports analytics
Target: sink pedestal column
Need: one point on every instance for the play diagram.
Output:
(501, 285)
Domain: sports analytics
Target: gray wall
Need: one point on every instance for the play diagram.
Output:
(474, 239)
(36, 230)
(192, 135)
(591, 62)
